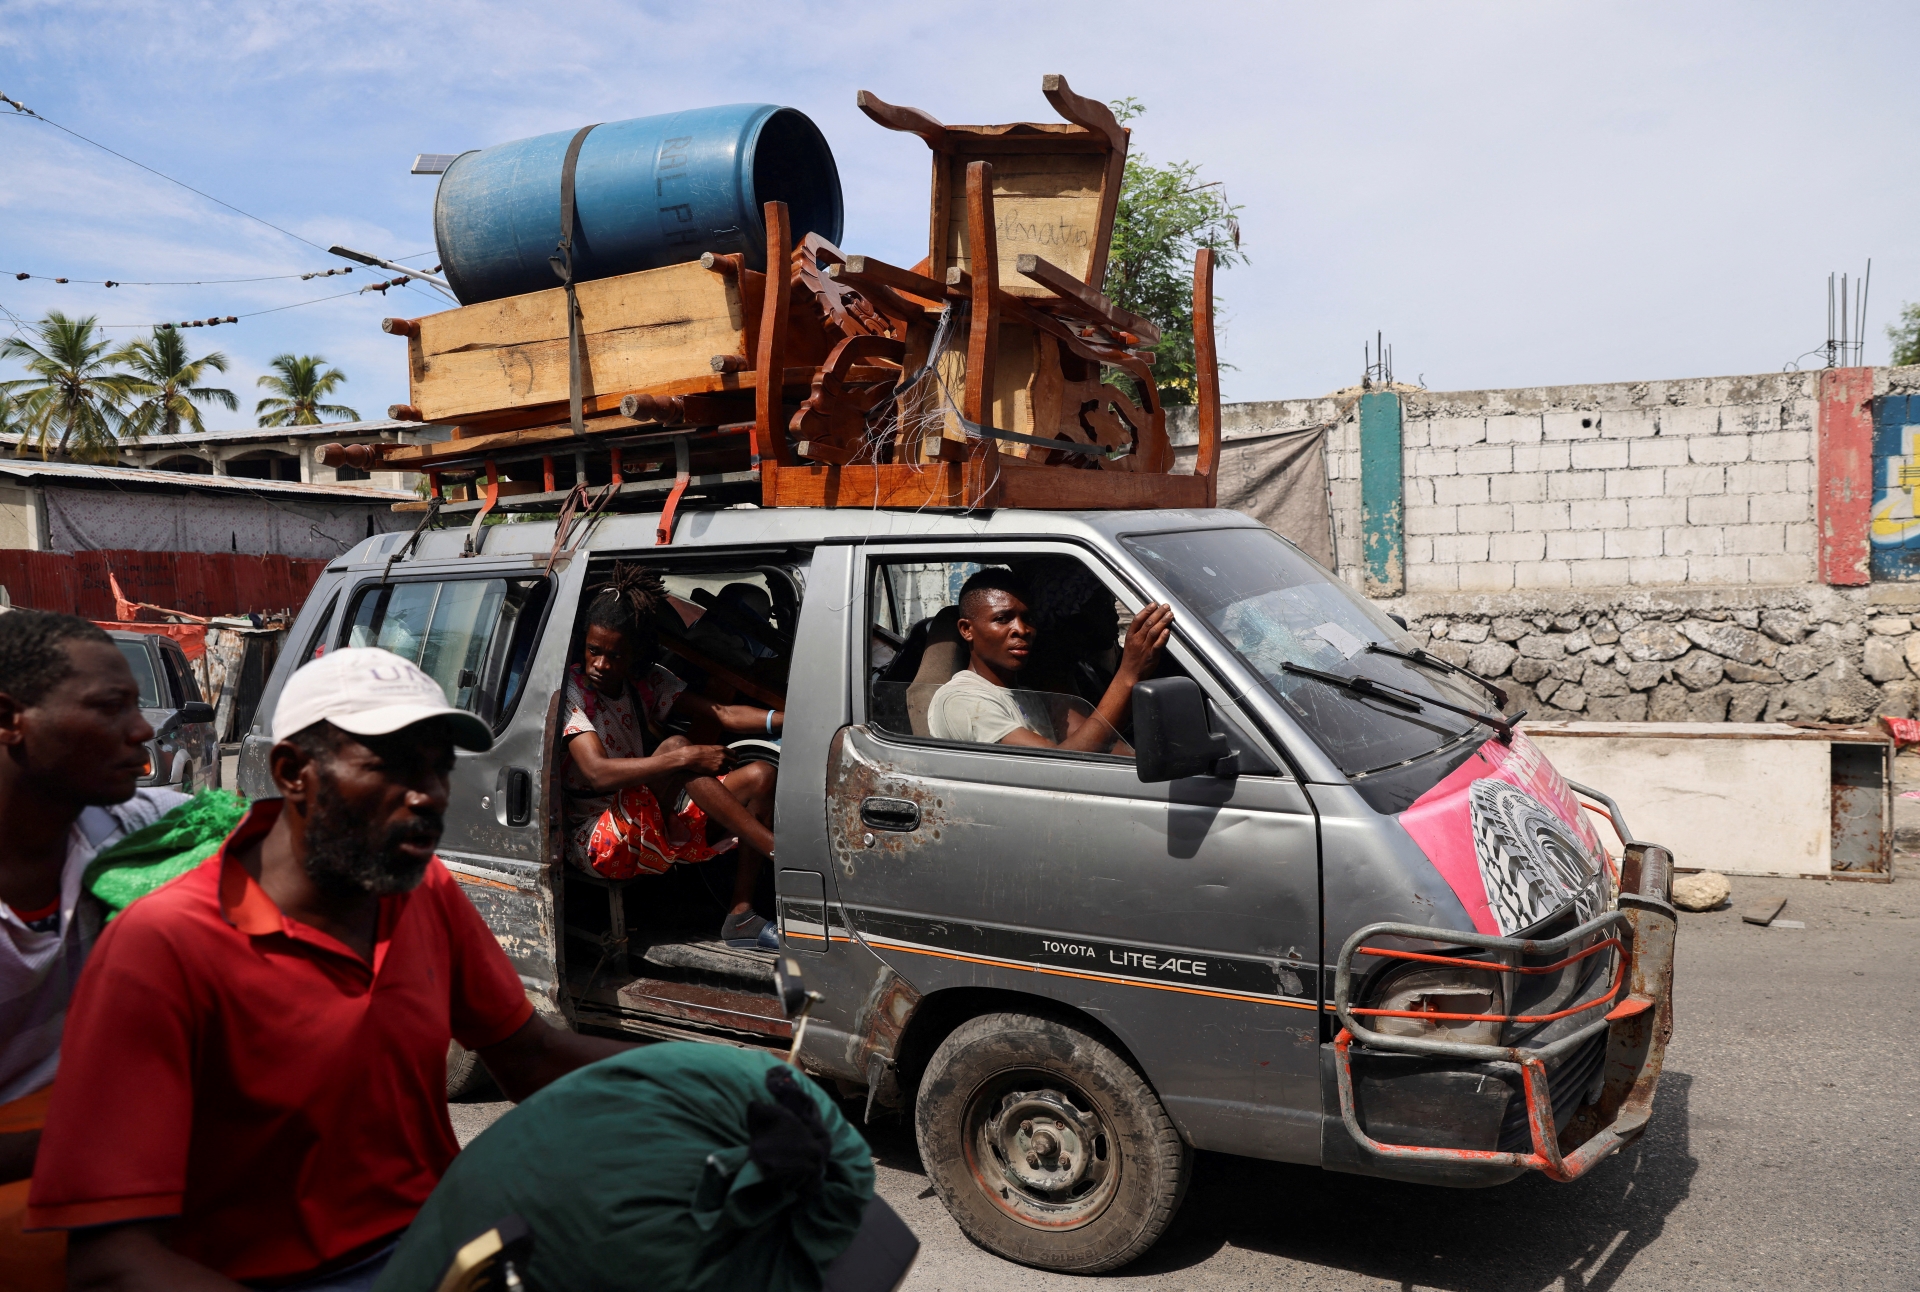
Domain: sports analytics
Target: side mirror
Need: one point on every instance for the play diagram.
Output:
(1398, 619)
(1171, 738)
(195, 711)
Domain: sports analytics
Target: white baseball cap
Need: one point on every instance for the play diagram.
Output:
(367, 691)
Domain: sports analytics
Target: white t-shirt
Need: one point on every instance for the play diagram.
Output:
(38, 968)
(968, 707)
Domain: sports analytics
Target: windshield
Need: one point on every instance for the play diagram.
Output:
(1273, 606)
(141, 662)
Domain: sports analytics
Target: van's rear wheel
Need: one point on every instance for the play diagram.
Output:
(1046, 1146)
(466, 1075)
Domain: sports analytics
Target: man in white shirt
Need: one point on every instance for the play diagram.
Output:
(73, 745)
(979, 705)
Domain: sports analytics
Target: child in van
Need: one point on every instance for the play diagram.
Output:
(636, 805)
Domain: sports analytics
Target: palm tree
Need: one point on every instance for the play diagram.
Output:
(73, 390)
(169, 383)
(299, 389)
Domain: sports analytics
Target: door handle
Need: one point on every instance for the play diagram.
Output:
(513, 794)
(890, 814)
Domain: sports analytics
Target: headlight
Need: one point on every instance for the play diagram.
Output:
(1445, 989)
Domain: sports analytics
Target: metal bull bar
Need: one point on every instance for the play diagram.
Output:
(1638, 1018)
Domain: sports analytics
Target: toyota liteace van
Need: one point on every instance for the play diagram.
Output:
(1318, 901)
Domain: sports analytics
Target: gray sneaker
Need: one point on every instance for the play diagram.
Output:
(746, 931)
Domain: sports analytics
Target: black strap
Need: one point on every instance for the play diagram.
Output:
(562, 262)
(1060, 446)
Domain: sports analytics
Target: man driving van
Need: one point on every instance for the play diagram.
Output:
(978, 705)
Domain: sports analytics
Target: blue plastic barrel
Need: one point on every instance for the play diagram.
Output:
(648, 192)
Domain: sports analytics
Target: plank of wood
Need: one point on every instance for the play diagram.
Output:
(935, 484)
(769, 449)
(1089, 114)
(864, 271)
(1764, 913)
(904, 119)
(601, 408)
(1017, 484)
(983, 330)
(638, 330)
(1066, 286)
(1068, 489)
(1044, 205)
(1206, 364)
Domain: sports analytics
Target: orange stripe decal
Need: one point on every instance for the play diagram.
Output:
(1092, 977)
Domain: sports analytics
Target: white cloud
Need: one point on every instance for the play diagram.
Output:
(1516, 195)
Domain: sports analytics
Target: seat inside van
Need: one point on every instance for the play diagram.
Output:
(932, 653)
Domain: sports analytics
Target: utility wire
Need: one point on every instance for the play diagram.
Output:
(20, 109)
(237, 317)
(202, 282)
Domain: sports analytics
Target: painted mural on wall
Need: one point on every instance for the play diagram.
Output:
(1896, 477)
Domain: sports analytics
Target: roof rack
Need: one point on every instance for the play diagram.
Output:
(972, 380)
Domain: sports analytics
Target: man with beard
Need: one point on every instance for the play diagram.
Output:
(253, 1082)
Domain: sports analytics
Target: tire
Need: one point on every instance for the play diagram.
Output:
(466, 1075)
(1047, 1147)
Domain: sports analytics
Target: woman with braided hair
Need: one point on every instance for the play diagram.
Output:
(636, 805)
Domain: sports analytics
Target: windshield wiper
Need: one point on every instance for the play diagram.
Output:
(1418, 656)
(1404, 699)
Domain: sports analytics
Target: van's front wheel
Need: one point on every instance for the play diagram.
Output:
(1047, 1147)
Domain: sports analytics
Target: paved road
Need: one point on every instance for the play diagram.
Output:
(1782, 1153)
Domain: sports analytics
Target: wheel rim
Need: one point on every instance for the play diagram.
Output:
(1040, 1149)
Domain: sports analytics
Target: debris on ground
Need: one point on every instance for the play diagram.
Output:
(1764, 912)
(1702, 892)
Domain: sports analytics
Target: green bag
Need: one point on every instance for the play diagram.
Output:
(130, 868)
(636, 1172)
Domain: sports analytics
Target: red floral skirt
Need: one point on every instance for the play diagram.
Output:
(631, 838)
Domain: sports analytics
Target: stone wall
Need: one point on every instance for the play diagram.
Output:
(1781, 655)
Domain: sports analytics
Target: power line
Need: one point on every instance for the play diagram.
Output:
(202, 282)
(235, 318)
(20, 109)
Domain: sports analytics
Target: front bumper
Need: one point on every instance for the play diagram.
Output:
(1635, 1015)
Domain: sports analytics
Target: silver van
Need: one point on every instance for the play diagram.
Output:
(1323, 904)
(183, 754)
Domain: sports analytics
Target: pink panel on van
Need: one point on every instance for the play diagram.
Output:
(1441, 820)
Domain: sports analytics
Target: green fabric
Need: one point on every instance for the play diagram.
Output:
(633, 1173)
(132, 867)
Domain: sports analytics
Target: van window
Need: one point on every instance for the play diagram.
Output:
(475, 637)
(178, 685)
(140, 660)
(917, 658)
(1274, 608)
(317, 644)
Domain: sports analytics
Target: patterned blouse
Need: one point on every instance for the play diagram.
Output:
(622, 734)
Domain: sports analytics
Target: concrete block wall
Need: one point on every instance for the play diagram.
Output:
(1705, 482)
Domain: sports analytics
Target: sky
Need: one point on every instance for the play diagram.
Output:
(1513, 194)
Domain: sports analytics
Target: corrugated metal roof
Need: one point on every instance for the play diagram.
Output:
(43, 473)
(326, 430)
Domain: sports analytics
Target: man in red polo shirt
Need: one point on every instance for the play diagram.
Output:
(252, 1084)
